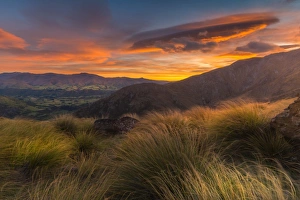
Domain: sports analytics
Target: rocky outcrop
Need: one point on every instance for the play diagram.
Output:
(288, 122)
(115, 126)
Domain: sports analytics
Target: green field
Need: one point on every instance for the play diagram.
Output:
(225, 153)
(47, 108)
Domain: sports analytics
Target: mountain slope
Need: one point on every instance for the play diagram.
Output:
(264, 79)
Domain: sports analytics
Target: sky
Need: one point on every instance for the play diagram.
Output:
(155, 39)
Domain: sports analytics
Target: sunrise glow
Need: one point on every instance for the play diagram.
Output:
(99, 37)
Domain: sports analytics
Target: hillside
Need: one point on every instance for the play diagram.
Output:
(11, 107)
(263, 79)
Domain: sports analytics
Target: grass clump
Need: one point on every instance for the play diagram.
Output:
(40, 153)
(238, 121)
(86, 179)
(85, 142)
(71, 125)
(234, 126)
(66, 124)
(143, 157)
(220, 181)
(242, 132)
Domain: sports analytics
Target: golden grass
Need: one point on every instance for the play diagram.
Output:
(223, 153)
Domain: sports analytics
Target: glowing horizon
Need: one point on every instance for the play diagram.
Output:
(157, 40)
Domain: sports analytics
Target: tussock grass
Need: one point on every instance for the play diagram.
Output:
(219, 181)
(234, 125)
(86, 180)
(71, 125)
(40, 153)
(85, 142)
(225, 153)
(170, 121)
(143, 156)
(199, 116)
(66, 124)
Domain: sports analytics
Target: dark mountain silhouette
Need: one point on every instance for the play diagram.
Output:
(270, 78)
(81, 81)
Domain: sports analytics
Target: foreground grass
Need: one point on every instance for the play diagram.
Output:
(224, 153)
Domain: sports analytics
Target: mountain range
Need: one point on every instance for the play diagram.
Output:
(82, 81)
(270, 78)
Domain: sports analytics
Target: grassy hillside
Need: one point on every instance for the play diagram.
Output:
(11, 107)
(224, 153)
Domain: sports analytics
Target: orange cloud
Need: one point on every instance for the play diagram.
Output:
(60, 51)
(236, 34)
(143, 50)
(236, 55)
(8, 40)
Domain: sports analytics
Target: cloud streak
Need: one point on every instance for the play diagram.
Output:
(8, 40)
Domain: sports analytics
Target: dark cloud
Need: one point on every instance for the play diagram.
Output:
(257, 47)
(57, 15)
(187, 44)
(205, 35)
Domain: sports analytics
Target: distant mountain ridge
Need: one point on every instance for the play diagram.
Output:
(270, 78)
(80, 81)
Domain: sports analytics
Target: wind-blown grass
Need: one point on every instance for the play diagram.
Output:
(88, 180)
(85, 142)
(40, 153)
(144, 156)
(224, 153)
